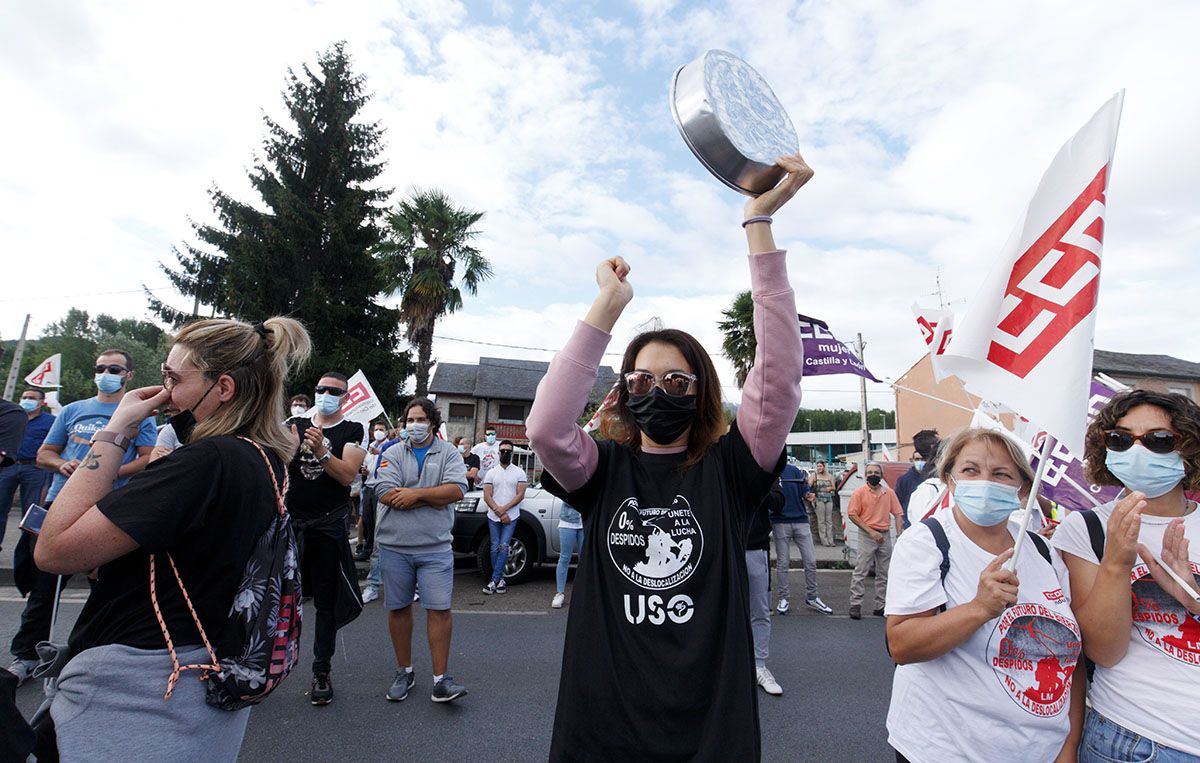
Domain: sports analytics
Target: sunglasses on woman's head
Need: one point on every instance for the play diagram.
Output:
(674, 383)
(330, 391)
(111, 368)
(1155, 441)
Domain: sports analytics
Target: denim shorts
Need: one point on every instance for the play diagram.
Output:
(402, 573)
(1105, 741)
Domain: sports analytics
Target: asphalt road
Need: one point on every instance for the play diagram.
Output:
(507, 650)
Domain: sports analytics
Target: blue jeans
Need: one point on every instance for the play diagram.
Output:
(570, 541)
(1107, 742)
(501, 536)
(30, 479)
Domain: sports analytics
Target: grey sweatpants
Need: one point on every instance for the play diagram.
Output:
(758, 569)
(800, 533)
(109, 706)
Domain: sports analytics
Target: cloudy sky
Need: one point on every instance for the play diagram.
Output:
(928, 125)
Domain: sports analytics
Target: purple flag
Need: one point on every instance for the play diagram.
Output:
(1065, 481)
(824, 354)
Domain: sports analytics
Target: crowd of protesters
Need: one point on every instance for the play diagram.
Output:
(1075, 642)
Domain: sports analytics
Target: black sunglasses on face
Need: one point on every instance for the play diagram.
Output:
(111, 369)
(330, 391)
(1155, 441)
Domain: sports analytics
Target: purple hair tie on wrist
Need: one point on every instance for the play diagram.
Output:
(757, 219)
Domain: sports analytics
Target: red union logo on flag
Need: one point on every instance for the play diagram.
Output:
(929, 331)
(38, 377)
(1053, 285)
(356, 395)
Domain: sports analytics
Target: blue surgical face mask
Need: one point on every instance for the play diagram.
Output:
(30, 404)
(419, 432)
(109, 383)
(327, 404)
(984, 502)
(1138, 469)
(491, 439)
(403, 434)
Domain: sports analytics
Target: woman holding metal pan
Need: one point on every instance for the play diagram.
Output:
(1133, 565)
(658, 663)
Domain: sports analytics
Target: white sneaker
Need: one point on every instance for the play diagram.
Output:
(22, 669)
(782, 607)
(490, 588)
(502, 587)
(816, 603)
(768, 682)
(557, 601)
(370, 594)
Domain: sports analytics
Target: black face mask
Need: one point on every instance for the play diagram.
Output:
(185, 421)
(662, 417)
(505, 457)
(874, 479)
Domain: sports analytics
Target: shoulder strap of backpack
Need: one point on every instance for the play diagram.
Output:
(1040, 544)
(215, 665)
(943, 544)
(1095, 532)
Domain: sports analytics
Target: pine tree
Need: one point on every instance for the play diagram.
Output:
(307, 249)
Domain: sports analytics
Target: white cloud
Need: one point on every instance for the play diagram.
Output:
(928, 123)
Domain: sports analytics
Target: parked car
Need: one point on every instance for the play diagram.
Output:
(535, 541)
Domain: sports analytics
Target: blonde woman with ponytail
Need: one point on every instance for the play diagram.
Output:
(205, 505)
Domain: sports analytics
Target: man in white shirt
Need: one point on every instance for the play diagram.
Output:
(489, 454)
(503, 490)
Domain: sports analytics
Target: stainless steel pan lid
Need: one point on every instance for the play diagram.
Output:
(732, 121)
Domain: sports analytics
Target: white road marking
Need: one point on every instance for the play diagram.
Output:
(493, 612)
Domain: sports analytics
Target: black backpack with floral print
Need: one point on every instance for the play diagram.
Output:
(264, 618)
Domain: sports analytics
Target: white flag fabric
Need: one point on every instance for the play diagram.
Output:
(359, 403)
(936, 326)
(609, 401)
(1027, 339)
(48, 373)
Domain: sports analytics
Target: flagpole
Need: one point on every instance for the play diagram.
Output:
(1032, 503)
(11, 384)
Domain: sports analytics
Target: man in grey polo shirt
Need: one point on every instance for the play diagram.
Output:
(419, 482)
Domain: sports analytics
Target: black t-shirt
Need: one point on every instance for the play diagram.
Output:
(658, 662)
(206, 504)
(472, 462)
(314, 493)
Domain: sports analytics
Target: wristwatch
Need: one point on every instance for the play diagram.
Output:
(116, 438)
(325, 457)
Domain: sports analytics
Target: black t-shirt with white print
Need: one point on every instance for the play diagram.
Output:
(314, 493)
(206, 504)
(658, 662)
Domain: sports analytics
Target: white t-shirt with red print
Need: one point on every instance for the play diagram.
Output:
(1155, 689)
(1004, 693)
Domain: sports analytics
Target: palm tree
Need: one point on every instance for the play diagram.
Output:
(426, 238)
(738, 327)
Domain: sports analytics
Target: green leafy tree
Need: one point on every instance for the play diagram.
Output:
(80, 338)
(428, 259)
(739, 343)
(841, 420)
(306, 249)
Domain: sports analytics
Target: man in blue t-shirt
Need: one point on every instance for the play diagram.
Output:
(24, 473)
(67, 442)
(790, 525)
